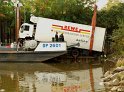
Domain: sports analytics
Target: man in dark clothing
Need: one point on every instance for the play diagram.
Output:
(61, 37)
(56, 36)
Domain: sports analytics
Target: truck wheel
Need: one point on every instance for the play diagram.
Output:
(75, 52)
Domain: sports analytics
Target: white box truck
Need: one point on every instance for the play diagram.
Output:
(76, 35)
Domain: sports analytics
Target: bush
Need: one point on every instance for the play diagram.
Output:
(120, 62)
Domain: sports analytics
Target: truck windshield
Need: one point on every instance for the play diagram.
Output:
(26, 28)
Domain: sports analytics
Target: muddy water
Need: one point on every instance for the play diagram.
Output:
(50, 77)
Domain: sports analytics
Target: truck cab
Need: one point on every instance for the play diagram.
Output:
(26, 30)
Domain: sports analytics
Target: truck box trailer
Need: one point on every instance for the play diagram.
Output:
(76, 35)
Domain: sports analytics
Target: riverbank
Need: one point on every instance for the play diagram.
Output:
(113, 79)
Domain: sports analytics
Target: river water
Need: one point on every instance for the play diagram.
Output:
(50, 77)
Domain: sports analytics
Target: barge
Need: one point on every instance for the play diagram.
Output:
(40, 54)
(28, 56)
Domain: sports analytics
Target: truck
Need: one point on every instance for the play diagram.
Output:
(41, 33)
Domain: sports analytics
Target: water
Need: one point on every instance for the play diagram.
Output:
(50, 77)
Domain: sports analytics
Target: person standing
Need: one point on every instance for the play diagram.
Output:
(56, 37)
(61, 37)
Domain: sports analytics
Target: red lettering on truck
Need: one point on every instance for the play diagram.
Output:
(71, 28)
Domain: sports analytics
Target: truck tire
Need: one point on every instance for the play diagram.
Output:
(75, 53)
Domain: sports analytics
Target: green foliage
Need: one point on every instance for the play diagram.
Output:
(7, 9)
(118, 40)
(79, 11)
(112, 3)
(109, 17)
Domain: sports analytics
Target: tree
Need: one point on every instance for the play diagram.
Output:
(110, 18)
(112, 3)
(7, 21)
(79, 11)
(7, 9)
(118, 40)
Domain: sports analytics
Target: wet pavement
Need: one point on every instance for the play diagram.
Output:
(50, 77)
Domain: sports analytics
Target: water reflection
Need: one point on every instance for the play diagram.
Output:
(48, 81)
